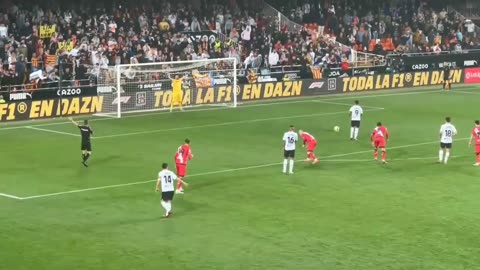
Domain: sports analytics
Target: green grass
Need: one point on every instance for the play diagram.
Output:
(352, 215)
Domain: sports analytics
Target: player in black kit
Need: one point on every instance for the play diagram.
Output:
(86, 132)
(446, 77)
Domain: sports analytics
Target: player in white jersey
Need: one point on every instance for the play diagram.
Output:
(355, 113)
(165, 181)
(447, 132)
(290, 139)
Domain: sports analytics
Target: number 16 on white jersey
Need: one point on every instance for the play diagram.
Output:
(290, 138)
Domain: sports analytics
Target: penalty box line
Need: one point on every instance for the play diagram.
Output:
(201, 126)
(347, 104)
(227, 123)
(222, 171)
(52, 131)
(333, 97)
(10, 196)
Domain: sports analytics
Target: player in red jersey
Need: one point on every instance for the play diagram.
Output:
(379, 139)
(182, 156)
(476, 137)
(311, 143)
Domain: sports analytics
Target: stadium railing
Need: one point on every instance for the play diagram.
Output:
(357, 59)
(467, 16)
(435, 60)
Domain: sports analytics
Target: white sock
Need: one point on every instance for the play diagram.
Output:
(440, 155)
(291, 165)
(285, 163)
(447, 155)
(164, 205)
(352, 132)
(169, 206)
(355, 136)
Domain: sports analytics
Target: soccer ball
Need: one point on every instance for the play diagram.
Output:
(336, 128)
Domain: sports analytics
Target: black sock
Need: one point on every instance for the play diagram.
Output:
(86, 157)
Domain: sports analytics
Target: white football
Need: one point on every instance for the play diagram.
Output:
(336, 128)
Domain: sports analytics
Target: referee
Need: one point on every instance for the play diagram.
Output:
(86, 133)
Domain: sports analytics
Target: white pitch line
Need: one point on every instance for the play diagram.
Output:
(256, 104)
(465, 92)
(396, 159)
(217, 172)
(52, 131)
(10, 196)
(225, 124)
(346, 104)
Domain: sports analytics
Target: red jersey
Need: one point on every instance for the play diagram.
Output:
(183, 154)
(307, 138)
(476, 134)
(379, 133)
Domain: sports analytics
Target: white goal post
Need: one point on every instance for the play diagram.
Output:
(148, 86)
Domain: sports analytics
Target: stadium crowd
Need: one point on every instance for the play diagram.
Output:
(393, 26)
(85, 36)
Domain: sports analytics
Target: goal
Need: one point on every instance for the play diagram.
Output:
(147, 87)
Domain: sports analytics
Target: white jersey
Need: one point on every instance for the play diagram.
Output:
(356, 112)
(447, 131)
(290, 138)
(167, 177)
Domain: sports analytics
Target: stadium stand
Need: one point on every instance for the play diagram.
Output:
(48, 39)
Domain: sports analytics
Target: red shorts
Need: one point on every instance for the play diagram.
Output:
(311, 146)
(181, 170)
(379, 143)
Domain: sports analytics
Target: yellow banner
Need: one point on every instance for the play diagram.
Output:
(47, 31)
(398, 80)
(67, 46)
(225, 93)
(39, 109)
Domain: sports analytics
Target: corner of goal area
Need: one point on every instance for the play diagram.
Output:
(10, 196)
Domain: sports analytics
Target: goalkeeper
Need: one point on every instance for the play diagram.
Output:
(177, 95)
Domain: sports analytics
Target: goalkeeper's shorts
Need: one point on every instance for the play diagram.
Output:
(177, 99)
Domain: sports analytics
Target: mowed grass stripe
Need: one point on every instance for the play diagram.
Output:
(221, 171)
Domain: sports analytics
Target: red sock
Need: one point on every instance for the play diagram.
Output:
(384, 155)
(312, 156)
(375, 153)
(179, 185)
(478, 158)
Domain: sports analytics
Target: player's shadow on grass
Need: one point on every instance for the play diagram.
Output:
(104, 159)
(199, 185)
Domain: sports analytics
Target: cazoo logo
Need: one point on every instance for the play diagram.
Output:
(69, 92)
(420, 67)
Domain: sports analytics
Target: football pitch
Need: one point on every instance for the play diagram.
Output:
(240, 212)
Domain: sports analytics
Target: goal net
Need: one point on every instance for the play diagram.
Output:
(148, 86)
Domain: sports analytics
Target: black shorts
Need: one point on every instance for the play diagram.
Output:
(445, 145)
(86, 146)
(355, 123)
(167, 196)
(289, 153)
